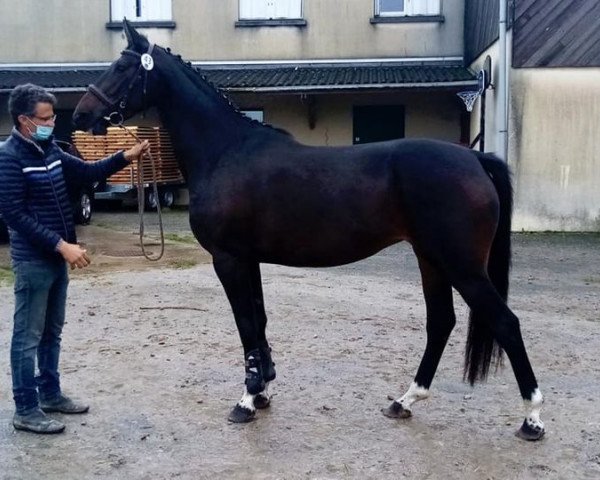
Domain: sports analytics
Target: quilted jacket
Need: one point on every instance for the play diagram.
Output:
(33, 193)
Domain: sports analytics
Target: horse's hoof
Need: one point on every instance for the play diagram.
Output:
(530, 432)
(261, 401)
(395, 410)
(241, 415)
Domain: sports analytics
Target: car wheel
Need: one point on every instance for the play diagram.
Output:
(167, 198)
(151, 200)
(83, 209)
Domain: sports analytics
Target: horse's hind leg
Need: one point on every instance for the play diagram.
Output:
(238, 278)
(440, 322)
(487, 306)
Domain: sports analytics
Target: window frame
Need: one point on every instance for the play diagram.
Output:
(142, 20)
(260, 21)
(408, 15)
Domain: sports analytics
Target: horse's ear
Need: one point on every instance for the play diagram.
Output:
(134, 39)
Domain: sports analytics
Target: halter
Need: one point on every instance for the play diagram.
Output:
(118, 105)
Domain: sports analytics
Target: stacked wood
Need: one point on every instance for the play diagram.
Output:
(91, 147)
(94, 147)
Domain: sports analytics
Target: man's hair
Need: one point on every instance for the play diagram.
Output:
(24, 98)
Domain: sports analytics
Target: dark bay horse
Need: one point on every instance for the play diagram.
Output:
(258, 196)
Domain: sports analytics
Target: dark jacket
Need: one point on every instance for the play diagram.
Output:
(33, 193)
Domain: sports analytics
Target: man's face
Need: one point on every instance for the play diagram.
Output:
(44, 115)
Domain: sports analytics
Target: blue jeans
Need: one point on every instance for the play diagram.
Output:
(40, 299)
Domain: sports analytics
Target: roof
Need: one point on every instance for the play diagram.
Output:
(278, 77)
(339, 77)
(556, 33)
(481, 26)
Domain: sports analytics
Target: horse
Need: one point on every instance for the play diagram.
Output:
(259, 196)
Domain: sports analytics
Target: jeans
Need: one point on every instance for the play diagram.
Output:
(40, 299)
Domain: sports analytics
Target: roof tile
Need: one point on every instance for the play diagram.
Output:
(260, 78)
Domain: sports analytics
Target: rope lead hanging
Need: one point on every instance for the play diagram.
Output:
(142, 199)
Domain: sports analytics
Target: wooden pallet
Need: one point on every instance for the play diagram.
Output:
(95, 147)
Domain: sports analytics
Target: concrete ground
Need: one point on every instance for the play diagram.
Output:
(154, 349)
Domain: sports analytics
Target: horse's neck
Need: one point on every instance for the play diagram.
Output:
(201, 124)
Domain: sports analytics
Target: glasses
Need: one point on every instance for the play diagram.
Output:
(47, 119)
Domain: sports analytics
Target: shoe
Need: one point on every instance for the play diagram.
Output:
(63, 404)
(37, 422)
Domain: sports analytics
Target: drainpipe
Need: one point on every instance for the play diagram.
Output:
(502, 101)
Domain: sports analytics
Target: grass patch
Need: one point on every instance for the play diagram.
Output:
(183, 264)
(591, 279)
(6, 276)
(181, 238)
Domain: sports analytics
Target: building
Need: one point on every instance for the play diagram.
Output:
(553, 110)
(331, 73)
(336, 73)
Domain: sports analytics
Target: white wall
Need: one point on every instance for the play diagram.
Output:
(74, 31)
(555, 148)
(553, 145)
(427, 114)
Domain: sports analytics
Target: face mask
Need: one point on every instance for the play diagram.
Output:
(42, 132)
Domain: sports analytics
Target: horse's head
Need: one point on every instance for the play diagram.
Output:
(126, 88)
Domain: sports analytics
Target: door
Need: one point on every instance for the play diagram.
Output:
(376, 123)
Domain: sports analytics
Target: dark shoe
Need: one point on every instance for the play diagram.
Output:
(64, 404)
(37, 422)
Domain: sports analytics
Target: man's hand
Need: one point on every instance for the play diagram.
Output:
(74, 255)
(137, 150)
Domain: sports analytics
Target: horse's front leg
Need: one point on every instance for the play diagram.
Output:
(237, 277)
(262, 399)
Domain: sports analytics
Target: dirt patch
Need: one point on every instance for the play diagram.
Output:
(114, 244)
(121, 251)
(155, 351)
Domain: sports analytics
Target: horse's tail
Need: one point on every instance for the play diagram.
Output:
(482, 349)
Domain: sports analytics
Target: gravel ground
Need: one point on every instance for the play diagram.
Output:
(153, 348)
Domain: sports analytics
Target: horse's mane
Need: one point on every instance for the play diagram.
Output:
(201, 81)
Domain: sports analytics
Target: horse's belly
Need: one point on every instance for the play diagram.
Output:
(318, 252)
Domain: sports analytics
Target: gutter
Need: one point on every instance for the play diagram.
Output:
(242, 63)
(306, 88)
(328, 88)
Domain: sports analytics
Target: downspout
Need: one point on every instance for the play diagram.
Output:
(502, 101)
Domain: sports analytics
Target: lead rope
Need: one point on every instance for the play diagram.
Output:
(141, 198)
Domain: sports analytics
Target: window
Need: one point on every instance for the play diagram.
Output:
(141, 10)
(391, 8)
(254, 114)
(399, 8)
(270, 9)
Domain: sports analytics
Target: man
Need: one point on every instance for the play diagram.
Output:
(34, 173)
